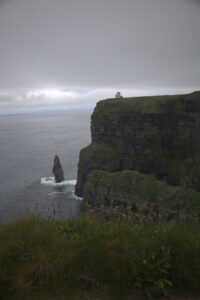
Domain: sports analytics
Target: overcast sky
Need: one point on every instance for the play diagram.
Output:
(65, 52)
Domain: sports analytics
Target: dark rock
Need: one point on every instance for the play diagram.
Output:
(58, 170)
(159, 136)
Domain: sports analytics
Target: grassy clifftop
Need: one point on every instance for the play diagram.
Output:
(148, 104)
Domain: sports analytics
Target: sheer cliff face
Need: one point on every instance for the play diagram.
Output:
(159, 136)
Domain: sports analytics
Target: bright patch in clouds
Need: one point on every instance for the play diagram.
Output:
(51, 94)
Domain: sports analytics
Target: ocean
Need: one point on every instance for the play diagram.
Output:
(28, 144)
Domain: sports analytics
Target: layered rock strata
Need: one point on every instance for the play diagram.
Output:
(159, 136)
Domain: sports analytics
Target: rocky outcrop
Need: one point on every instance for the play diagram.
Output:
(58, 170)
(159, 136)
(140, 193)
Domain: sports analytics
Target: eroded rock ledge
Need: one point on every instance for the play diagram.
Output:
(137, 190)
(158, 136)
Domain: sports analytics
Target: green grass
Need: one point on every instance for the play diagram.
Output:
(149, 104)
(146, 188)
(100, 152)
(90, 257)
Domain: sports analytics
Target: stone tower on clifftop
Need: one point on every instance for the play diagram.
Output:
(118, 95)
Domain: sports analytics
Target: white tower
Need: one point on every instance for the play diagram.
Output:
(118, 95)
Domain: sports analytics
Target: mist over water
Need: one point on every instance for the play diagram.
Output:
(28, 144)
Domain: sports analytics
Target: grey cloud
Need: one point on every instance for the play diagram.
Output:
(6, 100)
(92, 44)
(2, 1)
(66, 98)
(196, 1)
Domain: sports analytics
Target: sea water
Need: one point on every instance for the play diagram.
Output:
(28, 144)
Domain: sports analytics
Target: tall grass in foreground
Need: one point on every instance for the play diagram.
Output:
(65, 259)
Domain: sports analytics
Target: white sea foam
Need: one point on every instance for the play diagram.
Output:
(50, 181)
(76, 197)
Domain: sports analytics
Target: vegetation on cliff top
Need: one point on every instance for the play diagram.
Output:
(100, 152)
(148, 104)
(88, 258)
(147, 188)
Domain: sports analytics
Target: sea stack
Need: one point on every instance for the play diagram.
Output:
(58, 170)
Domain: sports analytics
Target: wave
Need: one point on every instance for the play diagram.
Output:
(76, 197)
(50, 181)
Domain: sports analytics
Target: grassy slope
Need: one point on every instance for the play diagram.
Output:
(147, 188)
(97, 258)
(150, 104)
(103, 154)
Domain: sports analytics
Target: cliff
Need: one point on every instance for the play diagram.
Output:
(158, 136)
(138, 192)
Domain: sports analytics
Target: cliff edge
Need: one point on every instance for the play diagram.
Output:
(158, 136)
